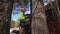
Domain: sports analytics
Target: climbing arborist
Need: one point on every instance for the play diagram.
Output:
(22, 19)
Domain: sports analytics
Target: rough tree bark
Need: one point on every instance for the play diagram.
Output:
(39, 25)
(5, 16)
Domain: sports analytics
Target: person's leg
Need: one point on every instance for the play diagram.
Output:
(21, 28)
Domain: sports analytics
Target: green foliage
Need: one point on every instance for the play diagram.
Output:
(21, 0)
(13, 24)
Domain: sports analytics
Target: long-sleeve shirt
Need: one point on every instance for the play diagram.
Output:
(21, 17)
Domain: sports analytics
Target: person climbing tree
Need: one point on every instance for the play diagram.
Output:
(22, 21)
(21, 17)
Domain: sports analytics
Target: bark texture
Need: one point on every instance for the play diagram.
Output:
(5, 16)
(39, 25)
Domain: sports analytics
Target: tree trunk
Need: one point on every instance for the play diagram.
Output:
(39, 25)
(5, 16)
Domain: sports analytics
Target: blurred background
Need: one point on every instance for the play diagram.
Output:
(15, 12)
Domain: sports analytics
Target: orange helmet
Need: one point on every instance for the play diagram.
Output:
(22, 9)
